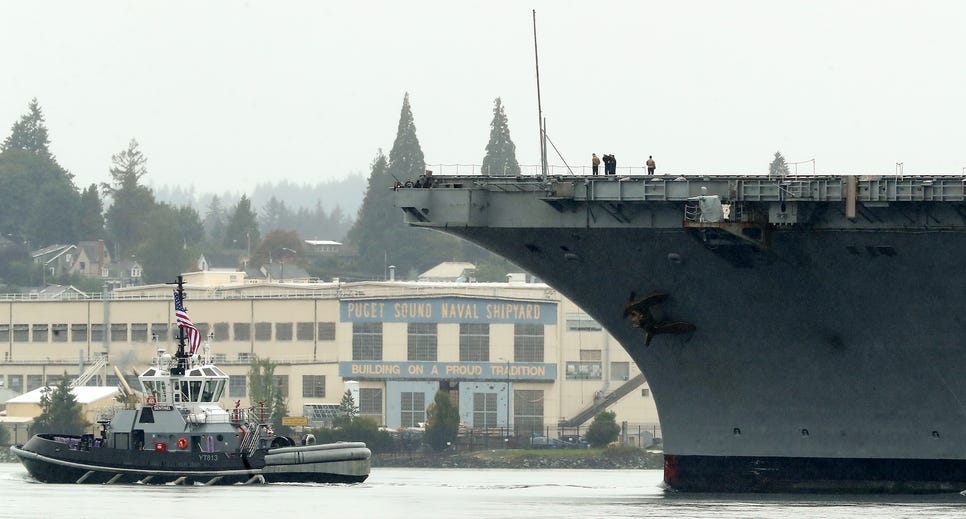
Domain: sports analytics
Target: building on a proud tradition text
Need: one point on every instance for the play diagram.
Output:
(516, 356)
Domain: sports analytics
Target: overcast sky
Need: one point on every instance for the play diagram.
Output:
(223, 95)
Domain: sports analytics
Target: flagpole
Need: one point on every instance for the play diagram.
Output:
(182, 358)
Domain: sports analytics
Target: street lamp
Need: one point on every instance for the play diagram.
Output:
(292, 251)
(508, 393)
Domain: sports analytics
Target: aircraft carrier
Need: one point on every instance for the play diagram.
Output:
(798, 333)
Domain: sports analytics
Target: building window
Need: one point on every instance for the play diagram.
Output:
(139, 332)
(203, 329)
(78, 333)
(366, 341)
(413, 408)
(34, 381)
(283, 331)
(263, 331)
(528, 411)
(645, 393)
(584, 370)
(313, 386)
(527, 343)
(620, 370)
(119, 332)
(281, 381)
(580, 321)
(474, 342)
(243, 331)
(41, 332)
(159, 331)
(15, 383)
(97, 333)
(370, 403)
(326, 331)
(236, 386)
(58, 332)
(305, 331)
(484, 410)
(590, 355)
(221, 331)
(21, 332)
(4, 333)
(421, 341)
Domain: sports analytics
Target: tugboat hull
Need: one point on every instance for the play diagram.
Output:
(51, 461)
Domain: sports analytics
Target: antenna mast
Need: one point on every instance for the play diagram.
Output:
(543, 130)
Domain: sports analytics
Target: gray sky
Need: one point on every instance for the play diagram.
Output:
(222, 95)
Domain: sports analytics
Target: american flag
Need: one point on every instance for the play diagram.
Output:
(184, 322)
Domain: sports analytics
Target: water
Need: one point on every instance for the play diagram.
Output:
(449, 493)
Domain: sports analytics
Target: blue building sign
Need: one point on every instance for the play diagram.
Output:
(517, 371)
(448, 310)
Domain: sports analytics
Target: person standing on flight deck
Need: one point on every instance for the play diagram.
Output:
(595, 164)
(651, 166)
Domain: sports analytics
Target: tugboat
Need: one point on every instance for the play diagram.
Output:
(180, 434)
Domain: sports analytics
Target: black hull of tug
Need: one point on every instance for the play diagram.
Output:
(813, 475)
(49, 461)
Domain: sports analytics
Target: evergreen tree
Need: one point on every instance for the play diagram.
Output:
(379, 234)
(242, 225)
(90, 218)
(30, 134)
(406, 157)
(130, 201)
(4, 437)
(501, 153)
(60, 412)
(442, 422)
(34, 184)
(347, 410)
(603, 429)
(167, 249)
(214, 225)
(261, 385)
(778, 167)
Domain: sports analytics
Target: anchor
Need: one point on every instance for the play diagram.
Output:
(647, 315)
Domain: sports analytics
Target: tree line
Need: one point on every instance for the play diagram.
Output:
(44, 206)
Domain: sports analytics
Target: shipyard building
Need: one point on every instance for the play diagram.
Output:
(516, 356)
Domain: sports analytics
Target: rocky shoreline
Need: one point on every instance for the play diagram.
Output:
(607, 459)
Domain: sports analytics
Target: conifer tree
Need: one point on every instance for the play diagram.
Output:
(778, 167)
(34, 183)
(90, 219)
(242, 225)
(442, 422)
(60, 412)
(406, 157)
(29, 134)
(501, 157)
(130, 201)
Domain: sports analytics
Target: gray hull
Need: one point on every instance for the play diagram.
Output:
(826, 354)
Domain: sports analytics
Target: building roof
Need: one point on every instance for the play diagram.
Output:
(448, 271)
(84, 394)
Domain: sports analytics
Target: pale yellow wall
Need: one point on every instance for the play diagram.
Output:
(562, 399)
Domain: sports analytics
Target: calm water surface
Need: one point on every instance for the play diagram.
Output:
(449, 493)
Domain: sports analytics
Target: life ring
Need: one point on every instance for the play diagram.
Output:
(152, 401)
(182, 443)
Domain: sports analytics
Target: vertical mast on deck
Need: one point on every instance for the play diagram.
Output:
(181, 356)
(541, 122)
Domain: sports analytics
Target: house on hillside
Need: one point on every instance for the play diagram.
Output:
(322, 247)
(93, 259)
(218, 261)
(56, 260)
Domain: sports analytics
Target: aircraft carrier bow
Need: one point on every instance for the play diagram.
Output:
(797, 333)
